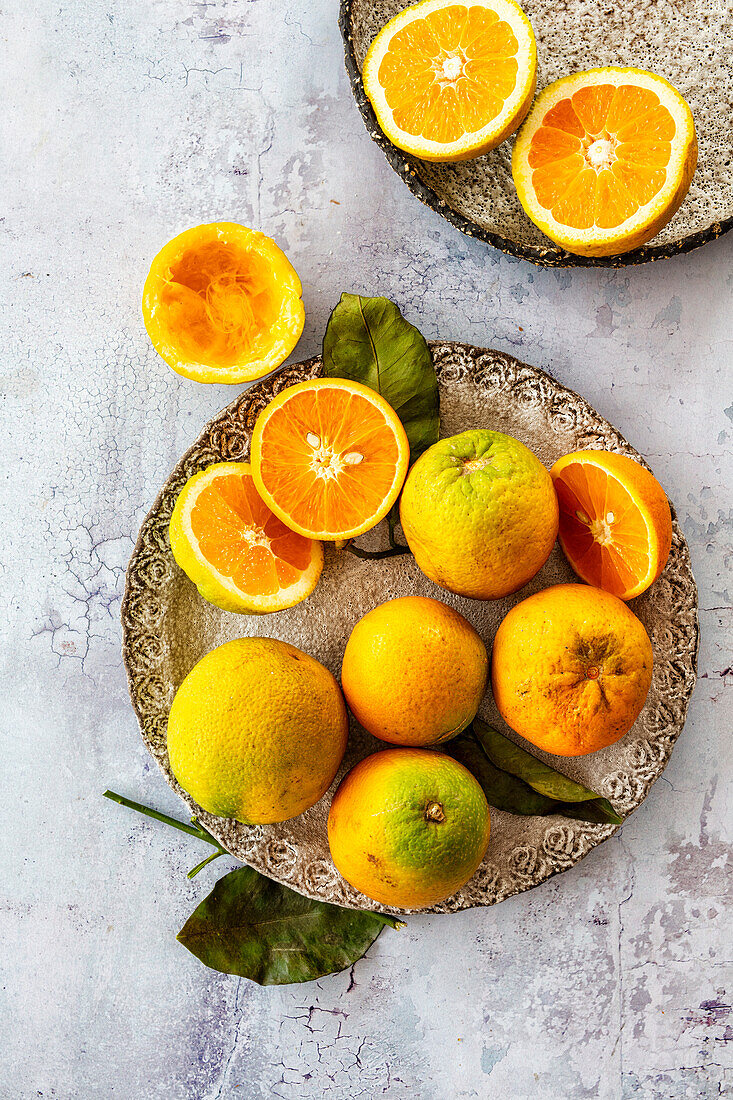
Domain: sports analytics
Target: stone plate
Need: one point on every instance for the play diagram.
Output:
(684, 41)
(168, 627)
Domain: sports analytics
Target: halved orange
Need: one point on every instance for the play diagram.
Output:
(604, 159)
(329, 457)
(239, 555)
(615, 521)
(450, 81)
(222, 303)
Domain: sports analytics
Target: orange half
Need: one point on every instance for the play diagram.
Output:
(450, 81)
(615, 521)
(329, 457)
(239, 555)
(604, 159)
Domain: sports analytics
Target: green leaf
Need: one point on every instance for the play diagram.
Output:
(540, 776)
(251, 926)
(516, 781)
(369, 341)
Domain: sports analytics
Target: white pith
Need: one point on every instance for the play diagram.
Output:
(448, 72)
(605, 156)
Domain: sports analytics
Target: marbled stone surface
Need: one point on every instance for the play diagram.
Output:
(123, 123)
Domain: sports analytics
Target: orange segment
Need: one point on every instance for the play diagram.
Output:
(239, 555)
(329, 457)
(450, 81)
(615, 521)
(604, 159)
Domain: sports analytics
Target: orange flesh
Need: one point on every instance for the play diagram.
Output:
(218, 301)
(416, 72)
(311, 482)
(238, 534)
(601, 154)
(602, 530)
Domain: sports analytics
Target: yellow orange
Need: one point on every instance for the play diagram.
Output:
(571, 669)
(329, 457)
(615, 521)
(257, 731)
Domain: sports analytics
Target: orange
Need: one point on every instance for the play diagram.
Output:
(408, 827)
(571, 669)
(615, 521)
(604, 159)
(257, 731)
(450, 81)
(479, 513)
(222, 304)
(329, 457)
(414, 671)
(239, 555)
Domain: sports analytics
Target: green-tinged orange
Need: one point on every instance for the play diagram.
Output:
(408, 827)
(257, 731)
(479, 513)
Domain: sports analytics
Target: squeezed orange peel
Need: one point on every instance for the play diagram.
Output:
(222, 303)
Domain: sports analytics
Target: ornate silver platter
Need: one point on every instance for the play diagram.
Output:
(684, 42)
(167, 627)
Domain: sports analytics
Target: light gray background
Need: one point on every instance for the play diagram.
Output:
(124, 122)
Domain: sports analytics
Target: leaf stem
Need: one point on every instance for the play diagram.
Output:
(376, 555)
(199, 832)
(200, 866)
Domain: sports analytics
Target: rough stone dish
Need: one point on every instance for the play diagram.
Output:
(684, 42)
(167, 627)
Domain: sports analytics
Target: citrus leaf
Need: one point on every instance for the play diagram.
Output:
(369, 341)
(256, 928)
(516, 781)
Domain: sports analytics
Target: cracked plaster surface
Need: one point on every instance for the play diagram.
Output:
(129, 122)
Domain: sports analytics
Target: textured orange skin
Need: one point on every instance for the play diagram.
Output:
(257, 731)
(571, 669)
(414, 671)
(649, 497)
(382, 840)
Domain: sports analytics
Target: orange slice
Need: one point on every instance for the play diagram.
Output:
(239, 555)
(450, 81)
(222, 303)
(329, 457)
(615, 521)
(604, 159)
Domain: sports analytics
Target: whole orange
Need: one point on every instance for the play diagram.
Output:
(414, 671)
(408, 827)
(571, 669)
(479, 513)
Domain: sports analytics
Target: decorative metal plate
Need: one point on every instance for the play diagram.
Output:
(682, 42)
(168, 627)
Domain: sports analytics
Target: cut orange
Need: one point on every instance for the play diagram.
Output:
(615, 521)
(329, 457)
(450, 81)
(222, 304)
(238, 554)
(604, 159)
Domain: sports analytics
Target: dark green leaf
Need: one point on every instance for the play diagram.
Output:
(502, 790)
(544, 779)
(251, 926)
(369, 341)
(514, 780)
